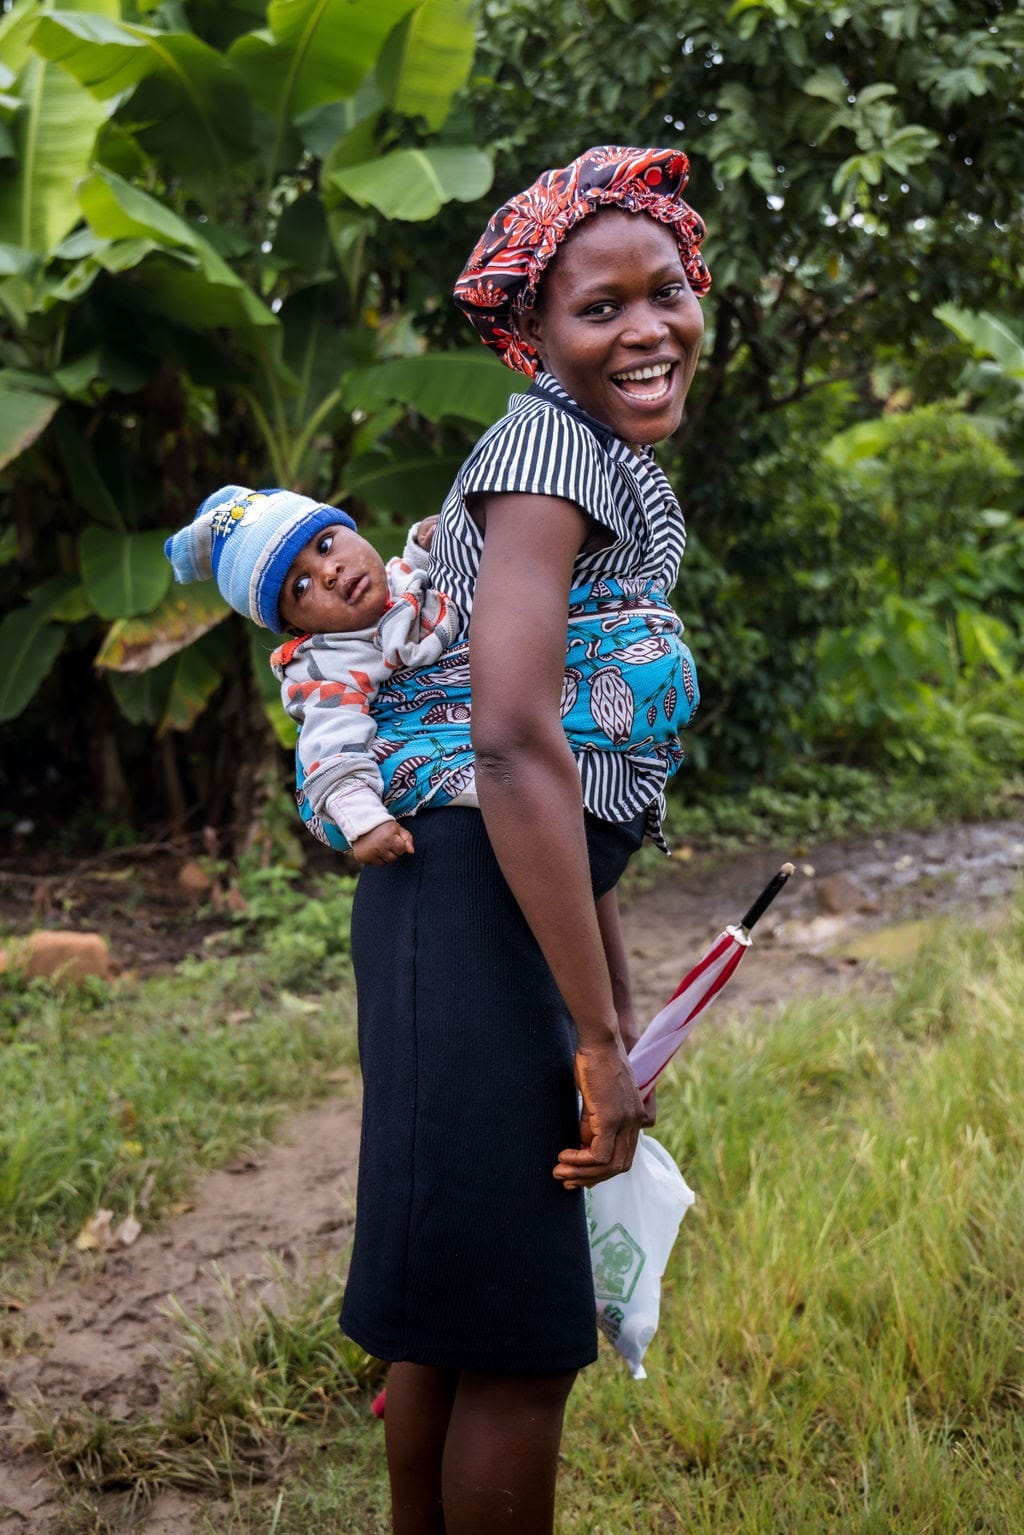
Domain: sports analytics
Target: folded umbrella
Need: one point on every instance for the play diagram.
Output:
(697, 989)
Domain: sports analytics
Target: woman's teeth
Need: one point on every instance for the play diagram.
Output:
(648, 383)
(655, 371)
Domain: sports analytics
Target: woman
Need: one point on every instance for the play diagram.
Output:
(490, 967)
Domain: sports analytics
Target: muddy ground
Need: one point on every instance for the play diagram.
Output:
(97, 1333)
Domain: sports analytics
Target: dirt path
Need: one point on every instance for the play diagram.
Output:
(818, 934)
(96, 1335)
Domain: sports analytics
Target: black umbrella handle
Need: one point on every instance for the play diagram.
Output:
(766, 897)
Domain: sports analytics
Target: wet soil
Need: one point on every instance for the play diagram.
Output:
(97, 1334)
(819, 933)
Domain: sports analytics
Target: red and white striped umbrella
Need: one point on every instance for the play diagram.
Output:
(698, 988)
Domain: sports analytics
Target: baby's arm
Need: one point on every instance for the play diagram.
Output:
(422, 621)
(371, 832)
(383, 844)
(418, 540)
(423, 532)
(328, 688)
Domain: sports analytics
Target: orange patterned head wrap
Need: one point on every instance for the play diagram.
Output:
(501, 277)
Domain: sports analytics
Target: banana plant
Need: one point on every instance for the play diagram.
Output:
(211, 209)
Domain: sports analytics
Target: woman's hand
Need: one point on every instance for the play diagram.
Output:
(610, 1120)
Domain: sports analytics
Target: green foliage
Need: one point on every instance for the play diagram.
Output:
(810, 799)
(898, 683)
(227, 238)
(928, 478)
(928, 668)
(188, 278)
(30, 643)
(53, 130)
(24, 414)
(415, 183)
(303, 932)
(869, 602)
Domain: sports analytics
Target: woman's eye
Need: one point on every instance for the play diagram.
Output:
(300, 587)
(672, 290)
(599, 311)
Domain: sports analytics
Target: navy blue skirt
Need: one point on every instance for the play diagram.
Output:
(467, 1253)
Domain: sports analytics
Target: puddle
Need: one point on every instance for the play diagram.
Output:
(891, 945)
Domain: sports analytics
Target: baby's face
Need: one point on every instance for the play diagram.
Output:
(336, 584)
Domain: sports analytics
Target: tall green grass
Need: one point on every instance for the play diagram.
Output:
(118, 1095)
(842, 1344)
(842, 1336)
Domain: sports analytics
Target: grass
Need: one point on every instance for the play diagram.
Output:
(841, 1344)
(244, 1381)
(811, 800)
(121, 1093)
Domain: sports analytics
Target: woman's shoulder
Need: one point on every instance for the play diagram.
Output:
(531, 416)
(540, 449)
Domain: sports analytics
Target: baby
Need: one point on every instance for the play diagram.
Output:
(296, 565)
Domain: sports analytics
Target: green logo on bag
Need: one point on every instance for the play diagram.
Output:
(617, 1262)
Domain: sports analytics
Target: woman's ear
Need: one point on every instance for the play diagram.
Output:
(531, 329)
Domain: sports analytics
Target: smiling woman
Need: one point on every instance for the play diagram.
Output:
(618, 325)
(558, 542)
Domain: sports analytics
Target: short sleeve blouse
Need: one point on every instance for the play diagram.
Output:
(547, 446)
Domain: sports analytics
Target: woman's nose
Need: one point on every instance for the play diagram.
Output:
(645, 326)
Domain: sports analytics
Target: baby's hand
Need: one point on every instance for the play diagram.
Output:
(383, 844)
(425, 532)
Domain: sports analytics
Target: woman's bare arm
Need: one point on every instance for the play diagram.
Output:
(530, 797)
(617, 960)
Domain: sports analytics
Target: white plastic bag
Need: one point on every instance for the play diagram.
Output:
(633, 1220)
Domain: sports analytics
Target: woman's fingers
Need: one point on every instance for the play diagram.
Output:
(579, 1178)
(581, 1167)
(610, 1118)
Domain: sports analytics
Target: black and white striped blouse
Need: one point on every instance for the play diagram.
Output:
(542, 449)
(547, 446)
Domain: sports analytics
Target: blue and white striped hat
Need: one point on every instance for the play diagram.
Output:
(247, 540)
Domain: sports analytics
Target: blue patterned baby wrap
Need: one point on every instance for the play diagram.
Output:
(630, 686)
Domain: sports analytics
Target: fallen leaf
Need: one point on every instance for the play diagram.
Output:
(127, 1232)
(95, 1234)
(300, 1004)
(341, 1075)
(240, 1015)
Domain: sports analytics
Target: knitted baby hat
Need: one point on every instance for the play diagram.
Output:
(247, 540)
